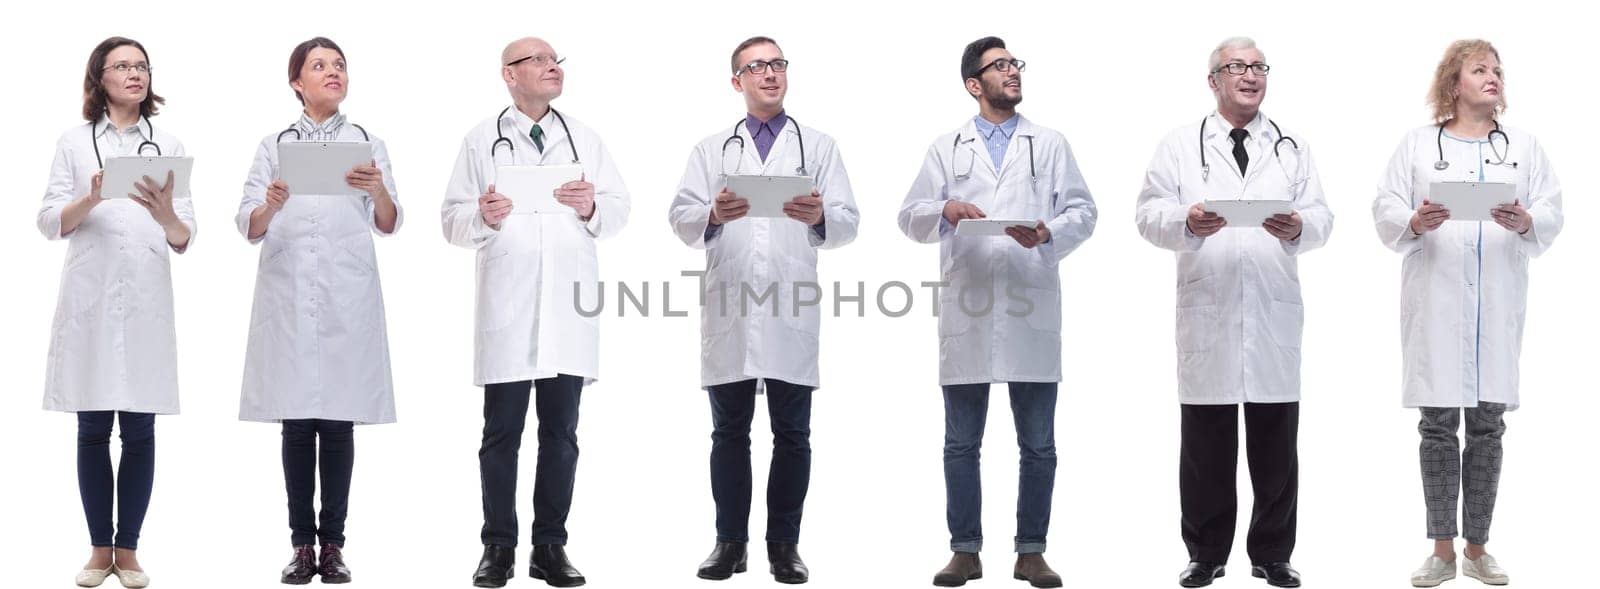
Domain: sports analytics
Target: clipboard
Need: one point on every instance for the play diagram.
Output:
(319, 167)
(1248, 214)
(122, 173)
(990, 227)
(768, 194)
(532, 188)
(1472, 201)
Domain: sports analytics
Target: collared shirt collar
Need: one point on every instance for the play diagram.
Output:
(773, 126)
(524, 125)
(987, 129)
(104, 127)
(327, 130)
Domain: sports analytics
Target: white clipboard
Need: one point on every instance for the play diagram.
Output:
(319, 167)
(768, 194)
(122, 173)
(1248, 214)
(1472, 201)
(532, 188)
(990, 227)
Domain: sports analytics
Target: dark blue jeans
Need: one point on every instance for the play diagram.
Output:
(505, 413)
(733, 408)
(306, 443)
(137, 470)
(966, 408)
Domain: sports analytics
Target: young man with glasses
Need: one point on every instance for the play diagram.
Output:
(1000, 311)
(756, 333)
(527, 342)
(1239, 315)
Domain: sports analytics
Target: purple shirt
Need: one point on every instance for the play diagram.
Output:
(765, 132)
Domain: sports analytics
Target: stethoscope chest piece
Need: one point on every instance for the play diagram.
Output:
(1441, 165)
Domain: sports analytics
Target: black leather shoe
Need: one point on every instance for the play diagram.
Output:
(787, 567)
(1200, 574)
(330, 564)
(302, 568)
(725, 560)
(963, 567)
(495, 567)
(549, 562)
(1277, 574)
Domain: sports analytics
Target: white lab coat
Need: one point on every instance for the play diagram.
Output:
(535, 270)
(318, 345)
(1464, 286)
(743, 336)
(1000, 311)
(112, 342)
(1239, 311)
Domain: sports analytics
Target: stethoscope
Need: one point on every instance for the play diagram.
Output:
(94, 139)
(506, 141)
(735, 137)
(1205, 168)
(298, 136)
(1033, 172)
(1442, 165)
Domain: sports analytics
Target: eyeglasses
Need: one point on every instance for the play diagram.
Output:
(539, 60)
(758, 67)
(123, 68)
(1238, 68)
(1001, 65)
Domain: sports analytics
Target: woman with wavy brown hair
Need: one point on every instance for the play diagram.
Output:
(113, 347)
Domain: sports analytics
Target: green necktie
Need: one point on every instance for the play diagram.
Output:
(538, 137)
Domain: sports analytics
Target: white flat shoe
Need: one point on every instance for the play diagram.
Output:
(1485, 569)
(132, 579)
(1434, 571)
(92, 577)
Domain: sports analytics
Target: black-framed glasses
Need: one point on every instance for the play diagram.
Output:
(1238, 68)
(1001, 65)
(758, 67)
(539, 59)
(123, 68)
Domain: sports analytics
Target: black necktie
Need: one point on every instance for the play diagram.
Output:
(1239, 155)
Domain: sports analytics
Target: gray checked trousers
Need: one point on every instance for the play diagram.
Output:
(1446, 469)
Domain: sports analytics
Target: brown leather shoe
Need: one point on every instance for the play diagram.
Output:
(963, 567)
(331, 565)
(1032, 568)
(302, 568)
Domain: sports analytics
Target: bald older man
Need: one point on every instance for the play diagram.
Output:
(531, 340)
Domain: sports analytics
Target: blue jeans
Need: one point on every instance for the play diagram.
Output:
(505, 413)
(96, 484)
(966, 408)
(733, 408)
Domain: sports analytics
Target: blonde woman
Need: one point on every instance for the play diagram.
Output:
(1464, 287)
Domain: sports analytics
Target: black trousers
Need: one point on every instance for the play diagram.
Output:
(306, 443)
(505, 413)
(1208, 468)
(733, 408)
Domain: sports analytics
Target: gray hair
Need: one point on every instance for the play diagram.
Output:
(1230, 43)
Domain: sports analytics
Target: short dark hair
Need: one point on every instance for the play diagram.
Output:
(973, 55)
(297, 58)
(94, 93)
(748, 43)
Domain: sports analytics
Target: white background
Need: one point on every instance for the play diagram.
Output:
(881, 79)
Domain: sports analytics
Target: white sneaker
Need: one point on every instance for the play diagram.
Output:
(1485, 569)
(92, 577)
(1434, 571)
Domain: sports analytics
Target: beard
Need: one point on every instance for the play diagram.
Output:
(996, 96)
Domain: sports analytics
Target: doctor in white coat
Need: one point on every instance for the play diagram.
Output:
(760, 320)
(533, 272)
(1000, 306)
(113, 349)
(1239, 311)
(1463, 293)
(318, 354)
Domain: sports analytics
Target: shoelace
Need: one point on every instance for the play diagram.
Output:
(305, 556)
(331, 555)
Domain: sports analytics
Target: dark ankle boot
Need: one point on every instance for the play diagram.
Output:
(963, 567)
(726, 559)
(786, 564)
(495, 567)
(1032, 568)
(549, 562)
(302, 568)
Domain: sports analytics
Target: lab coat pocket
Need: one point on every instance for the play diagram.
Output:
(953, 321)
(274, 286)
(1287, 323)
(1197, 328)
(496, 296)
(357, 292)
(1041, 307)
